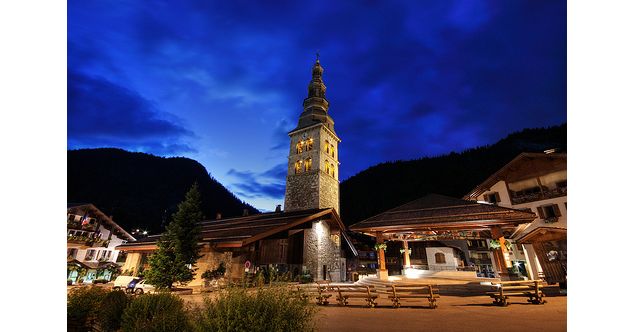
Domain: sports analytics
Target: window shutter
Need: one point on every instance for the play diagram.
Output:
(556, 210)
(541, 213)
(498, 197)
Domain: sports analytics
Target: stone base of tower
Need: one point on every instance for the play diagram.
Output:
(321, 255)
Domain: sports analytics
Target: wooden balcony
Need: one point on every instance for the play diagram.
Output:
(520, 198)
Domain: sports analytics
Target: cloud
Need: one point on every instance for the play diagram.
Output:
(267, 184)
(101, 113)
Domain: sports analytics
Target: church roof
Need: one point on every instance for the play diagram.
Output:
(435, 211)
(240, 231)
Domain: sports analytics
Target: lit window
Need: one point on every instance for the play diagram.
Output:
(332, 151)
(297, 167)
(332, 170)
(309, 145)
(307, 165)
(327, 169)
(298, 147)
(328, 149)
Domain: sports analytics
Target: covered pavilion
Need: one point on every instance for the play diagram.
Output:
(435, 218)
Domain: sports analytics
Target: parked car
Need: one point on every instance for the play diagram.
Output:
(143, 287)
(123, 282)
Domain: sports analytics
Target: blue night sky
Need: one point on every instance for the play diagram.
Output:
(222, 82)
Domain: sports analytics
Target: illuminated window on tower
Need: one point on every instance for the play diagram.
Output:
(307, 165)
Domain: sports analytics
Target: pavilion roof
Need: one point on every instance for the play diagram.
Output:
(241, 231)
(435, 212)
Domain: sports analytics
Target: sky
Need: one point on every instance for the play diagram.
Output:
(222, 82)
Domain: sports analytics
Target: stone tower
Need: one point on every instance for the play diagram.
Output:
(312, 175)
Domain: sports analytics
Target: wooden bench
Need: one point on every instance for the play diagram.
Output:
(529, 288)
(321, 293)
(367, 293)
(429, 292)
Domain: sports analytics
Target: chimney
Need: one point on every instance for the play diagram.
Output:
(278, 208)
(245, 212)
(218, 215)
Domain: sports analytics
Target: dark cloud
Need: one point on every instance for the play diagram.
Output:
(101, 113)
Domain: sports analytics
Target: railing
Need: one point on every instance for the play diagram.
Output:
(518, 198)
(88, 240)
(442, 268)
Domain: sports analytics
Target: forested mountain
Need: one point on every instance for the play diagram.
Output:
(142, 190)
(391, 184)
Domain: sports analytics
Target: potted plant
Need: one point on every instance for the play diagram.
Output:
(380, 246)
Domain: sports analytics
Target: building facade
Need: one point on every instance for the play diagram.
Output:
(535, 182)
(92, 241)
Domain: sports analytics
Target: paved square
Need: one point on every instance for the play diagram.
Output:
(473, 313)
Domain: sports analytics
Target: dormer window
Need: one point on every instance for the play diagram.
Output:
(492, 198)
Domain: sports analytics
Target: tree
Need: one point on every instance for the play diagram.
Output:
(178, 251)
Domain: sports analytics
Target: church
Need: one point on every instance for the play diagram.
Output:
(307, 237)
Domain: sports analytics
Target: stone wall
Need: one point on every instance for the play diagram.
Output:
(322, 248)
(302, 191)
(329, 193)
(210, 260)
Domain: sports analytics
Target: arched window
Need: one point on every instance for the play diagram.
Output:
(439, 258)
(328, 149)
(307, 165)
(332, 151)
(309, 145)
(297, 167)
(327, 169)
(332, 170)
(298, 147)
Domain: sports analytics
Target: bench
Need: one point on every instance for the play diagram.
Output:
(367, 293)
(530, 288)
(320, 293)
(429, 292)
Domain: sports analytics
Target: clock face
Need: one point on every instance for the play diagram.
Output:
(304, 136)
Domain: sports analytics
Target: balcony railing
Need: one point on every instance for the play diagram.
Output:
(87, 240)
(519, 197)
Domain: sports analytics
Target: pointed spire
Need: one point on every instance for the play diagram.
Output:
(316, 86)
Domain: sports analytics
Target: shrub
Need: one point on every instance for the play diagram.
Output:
(82, 306)
(111, 310)
(306, 278)
(155, 312)
(266, 309)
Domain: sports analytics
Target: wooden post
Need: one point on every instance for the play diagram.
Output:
(501, 256)
(406, 255)
(381, 256)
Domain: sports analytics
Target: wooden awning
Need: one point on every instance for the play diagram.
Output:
(542, 234)
(438, 212)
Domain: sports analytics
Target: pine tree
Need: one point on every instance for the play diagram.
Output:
(178, 251)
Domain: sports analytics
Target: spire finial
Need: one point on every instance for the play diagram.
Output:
(317, 56)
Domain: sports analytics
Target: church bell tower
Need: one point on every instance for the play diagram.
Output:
(312, 176)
